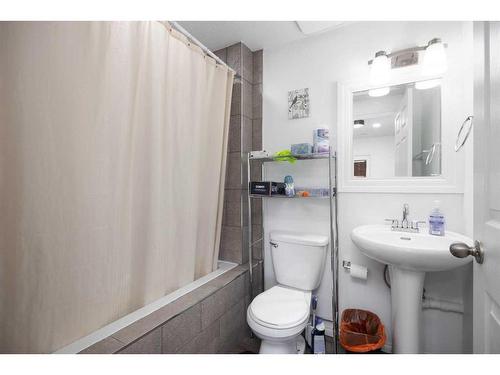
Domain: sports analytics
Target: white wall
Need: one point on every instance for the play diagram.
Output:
(318, 63)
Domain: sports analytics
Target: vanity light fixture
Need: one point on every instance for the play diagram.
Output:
(359, 124)
(376, 125)
(428, 84)
(434, 58)
(434, 64)
(380, 69)
(382, 91)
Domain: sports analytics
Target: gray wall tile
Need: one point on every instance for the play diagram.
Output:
(231, 244)
(257, 66)
(232, 208)
(257, 211)
(244, 245)
(246, 63)
(205, 342)
(236, 98)
(149, 344)
(221, 54)
(244, 207)
(257, 134)
(247, 99)
(257, 233)
(234, 138)
(244, 171)
(256, 172)
(233, 327)
(234, 57)
(234, 171)
(257, 285)
(246, 134)
(220, 302)
(180, 330)
(257, 279)
(257, 101)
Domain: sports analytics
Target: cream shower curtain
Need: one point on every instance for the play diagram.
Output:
(113, 142)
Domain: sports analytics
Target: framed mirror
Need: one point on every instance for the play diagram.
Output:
(397, 134)
(400, 138)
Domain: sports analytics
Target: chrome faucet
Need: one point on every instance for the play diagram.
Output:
(406, 213)
(405, 225)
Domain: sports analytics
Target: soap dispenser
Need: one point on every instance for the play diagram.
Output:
(436, 220)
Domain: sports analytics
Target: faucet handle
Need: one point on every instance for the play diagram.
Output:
(415, 223)
(394, 222)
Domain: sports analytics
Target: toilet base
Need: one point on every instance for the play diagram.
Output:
(296, 345)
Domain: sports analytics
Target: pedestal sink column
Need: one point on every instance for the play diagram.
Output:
(406, 300)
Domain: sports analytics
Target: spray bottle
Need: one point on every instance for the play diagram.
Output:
(318, 337)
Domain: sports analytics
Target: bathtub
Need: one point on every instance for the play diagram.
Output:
(115, 326)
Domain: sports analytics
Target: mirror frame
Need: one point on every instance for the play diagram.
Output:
(451, 179)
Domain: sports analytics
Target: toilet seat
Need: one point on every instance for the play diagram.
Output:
(281, 308)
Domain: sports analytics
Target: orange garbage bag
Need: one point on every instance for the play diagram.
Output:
(361, 331)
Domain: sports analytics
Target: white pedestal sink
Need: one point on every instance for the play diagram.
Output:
(409, 256)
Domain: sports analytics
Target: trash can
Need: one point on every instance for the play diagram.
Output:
(361, 331)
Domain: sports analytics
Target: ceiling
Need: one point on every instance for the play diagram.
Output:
(255, 34)
(385, 129)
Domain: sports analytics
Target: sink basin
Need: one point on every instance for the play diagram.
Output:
(409, 256)
(413, 251)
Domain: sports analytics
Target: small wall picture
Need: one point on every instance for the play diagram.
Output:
(298, 104)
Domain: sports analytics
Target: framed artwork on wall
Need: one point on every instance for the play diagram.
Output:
(298, 104)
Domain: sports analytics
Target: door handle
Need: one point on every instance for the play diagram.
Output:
(462, 250)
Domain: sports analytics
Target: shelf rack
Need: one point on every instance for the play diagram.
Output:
(332, 178)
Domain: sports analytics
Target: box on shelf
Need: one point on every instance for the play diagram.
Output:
(301, 148)
(267, 188)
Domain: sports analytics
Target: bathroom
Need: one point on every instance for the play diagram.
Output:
(185, 185)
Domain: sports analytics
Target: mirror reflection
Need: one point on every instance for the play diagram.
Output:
(397, 134)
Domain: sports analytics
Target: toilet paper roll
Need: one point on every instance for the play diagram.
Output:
(359, 272)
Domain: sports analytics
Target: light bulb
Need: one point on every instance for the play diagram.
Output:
(376, 125)
(380, 69)
(359, 124)
(434, 62)
(429, 84)
(379, 92)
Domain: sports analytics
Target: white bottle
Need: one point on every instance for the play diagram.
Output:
(436, 220)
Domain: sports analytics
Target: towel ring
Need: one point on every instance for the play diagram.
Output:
(459, 144)
(430, 154)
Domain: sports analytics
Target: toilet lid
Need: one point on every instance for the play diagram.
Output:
(281, 307)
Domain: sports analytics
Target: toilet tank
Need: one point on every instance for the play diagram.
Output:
(298, 258)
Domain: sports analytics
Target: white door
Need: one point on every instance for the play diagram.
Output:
(487, 186)
(403, 124)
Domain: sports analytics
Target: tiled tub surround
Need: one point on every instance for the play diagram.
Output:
(245, 134)
(210, 319)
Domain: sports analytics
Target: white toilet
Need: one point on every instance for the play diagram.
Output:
(278, 315)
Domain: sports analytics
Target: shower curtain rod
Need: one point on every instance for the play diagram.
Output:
(183, 31)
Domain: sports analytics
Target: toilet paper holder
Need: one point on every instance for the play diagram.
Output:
(357, 271)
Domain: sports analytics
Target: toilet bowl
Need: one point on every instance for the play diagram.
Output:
(279, 315)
